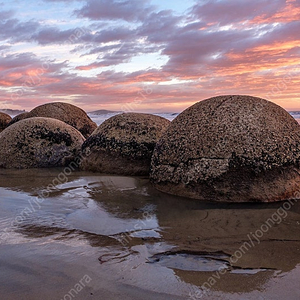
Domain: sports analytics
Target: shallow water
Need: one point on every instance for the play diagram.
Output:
(134, 242)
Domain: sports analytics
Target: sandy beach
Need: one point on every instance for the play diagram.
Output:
(111, 237)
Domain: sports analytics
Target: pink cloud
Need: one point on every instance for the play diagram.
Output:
(251, 55)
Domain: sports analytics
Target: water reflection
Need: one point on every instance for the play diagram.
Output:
(140, 235)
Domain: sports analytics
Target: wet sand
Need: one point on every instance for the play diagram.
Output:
(134, 242)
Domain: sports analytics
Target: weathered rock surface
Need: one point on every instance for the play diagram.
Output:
(4, 120)
(19, 117)
(65, 112)
(123, 144)
(230, 148)
(38, 143)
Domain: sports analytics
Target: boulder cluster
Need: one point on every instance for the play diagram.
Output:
(228, 148)
(56, 134)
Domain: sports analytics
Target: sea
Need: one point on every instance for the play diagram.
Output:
(98, 119)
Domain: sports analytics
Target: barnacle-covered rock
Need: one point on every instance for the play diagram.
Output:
(230, 148)
(39, 142)
(123, 144)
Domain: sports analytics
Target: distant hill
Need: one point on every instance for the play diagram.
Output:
(12, 112)
(104, 112)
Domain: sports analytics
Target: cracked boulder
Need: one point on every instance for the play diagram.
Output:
(65, 112)
(231, 149)
(4, 120)
(38, 143)
(123, 144)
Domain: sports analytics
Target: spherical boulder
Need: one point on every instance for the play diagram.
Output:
(19, 117)
(38, 143)
(123, 144)
(4, 120)
(67, 113)
(231, 149)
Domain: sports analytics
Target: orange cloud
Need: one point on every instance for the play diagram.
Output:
(288, 14)
(277, 47)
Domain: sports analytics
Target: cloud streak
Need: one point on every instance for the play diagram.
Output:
(216, 47)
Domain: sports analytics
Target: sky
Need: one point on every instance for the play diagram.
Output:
(147, 55)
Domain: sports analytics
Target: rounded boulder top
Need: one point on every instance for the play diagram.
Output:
(124, 144)
(67, 113)
(230, 148)
(17, 118)
(4, 120)
(38, 143)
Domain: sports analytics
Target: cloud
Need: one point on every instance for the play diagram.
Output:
(6, 14)
(17, 61)
(4, 47)
(160, 26)
(62, 0)
(113, 34)
(217, 47)
(228, 12)
(285, 14)
(15, 31)
(128, 10)
(52, 35)
(27, 70)
(120, 53)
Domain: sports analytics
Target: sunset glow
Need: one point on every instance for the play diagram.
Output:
(158, 57)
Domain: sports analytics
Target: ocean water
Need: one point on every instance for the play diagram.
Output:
(92, 236)
(98, 119)
(296, 115)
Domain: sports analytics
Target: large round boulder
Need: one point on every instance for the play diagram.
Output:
(123, 144)
(4, 120)
(38, 143)
(230, 148)
(65, 112)
(19, 117)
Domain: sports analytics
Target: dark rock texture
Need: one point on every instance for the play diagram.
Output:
(65, 112)
(123, 144)
(230, 148)
(38, 143)
(4, 120)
